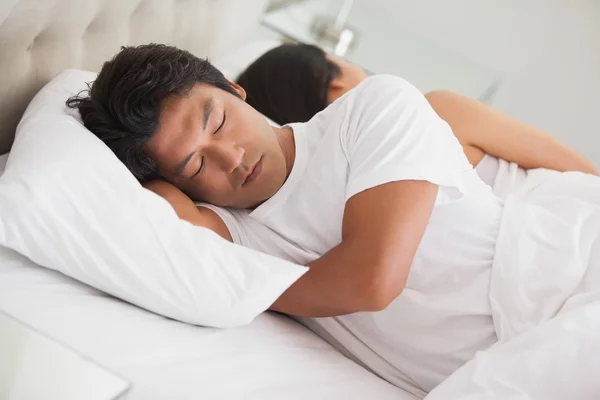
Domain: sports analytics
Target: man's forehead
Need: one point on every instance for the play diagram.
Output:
(180, 117)
(172, 124)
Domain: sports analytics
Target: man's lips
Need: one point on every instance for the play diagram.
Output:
(253, 173)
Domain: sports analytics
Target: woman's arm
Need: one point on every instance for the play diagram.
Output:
(187, 210)
(481, 129)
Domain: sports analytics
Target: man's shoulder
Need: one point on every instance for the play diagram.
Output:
(352, 113)
(375, 93)
(377, 86)
(384, 80)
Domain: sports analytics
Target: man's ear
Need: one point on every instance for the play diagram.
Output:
(238, 89)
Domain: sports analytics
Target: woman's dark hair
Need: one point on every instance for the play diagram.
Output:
(122, 106)
(289, 83)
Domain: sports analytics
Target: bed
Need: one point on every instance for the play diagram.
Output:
(271, 358)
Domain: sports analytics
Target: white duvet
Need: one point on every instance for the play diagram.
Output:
(545, 294)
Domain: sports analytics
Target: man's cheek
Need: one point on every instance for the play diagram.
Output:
(197, 195)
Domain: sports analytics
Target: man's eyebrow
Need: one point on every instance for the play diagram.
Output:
(207, 109)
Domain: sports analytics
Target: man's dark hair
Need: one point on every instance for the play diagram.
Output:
(289, 83)
(122, 106)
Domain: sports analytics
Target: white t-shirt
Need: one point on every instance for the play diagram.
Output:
(382, 131)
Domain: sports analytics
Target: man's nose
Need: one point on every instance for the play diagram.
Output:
(228, 156)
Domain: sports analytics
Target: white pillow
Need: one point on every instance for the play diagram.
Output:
(67, 203)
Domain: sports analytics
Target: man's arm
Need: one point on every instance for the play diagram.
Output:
(382, 229)
(480, 126)
(398, 151)
(187, 210)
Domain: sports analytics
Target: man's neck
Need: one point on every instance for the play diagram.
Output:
(285, 136)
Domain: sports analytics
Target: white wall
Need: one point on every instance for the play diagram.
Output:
(548, 52)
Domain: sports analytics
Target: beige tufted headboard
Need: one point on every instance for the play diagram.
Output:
(40, 38)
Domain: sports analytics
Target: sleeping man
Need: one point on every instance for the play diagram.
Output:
(410, 254)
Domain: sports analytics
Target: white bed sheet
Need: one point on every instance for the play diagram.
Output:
(272, 358)
(544, 292)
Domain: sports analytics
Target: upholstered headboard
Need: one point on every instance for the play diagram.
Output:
(40, 38)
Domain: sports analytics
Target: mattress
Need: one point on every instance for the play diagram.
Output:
(271, 358)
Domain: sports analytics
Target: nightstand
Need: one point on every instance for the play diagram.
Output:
(33, 366)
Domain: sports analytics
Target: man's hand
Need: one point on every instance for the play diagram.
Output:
(187, 210)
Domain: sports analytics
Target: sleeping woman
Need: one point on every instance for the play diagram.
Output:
(293, 82)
